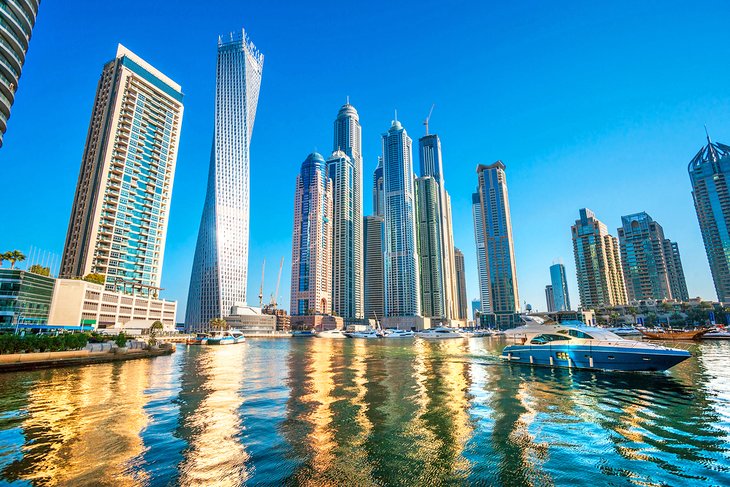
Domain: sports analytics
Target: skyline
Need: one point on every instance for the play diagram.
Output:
(529, 173)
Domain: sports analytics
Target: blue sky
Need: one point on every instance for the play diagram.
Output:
(588, 106)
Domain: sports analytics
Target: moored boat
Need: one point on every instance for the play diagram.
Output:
(238, 336)
(331, 334)
(367, 333)
(674, 334)
(303, 334)
(396, 333)
(199, 339)
(439, 333)
(221, 338)
(719, 333)
(586, 347)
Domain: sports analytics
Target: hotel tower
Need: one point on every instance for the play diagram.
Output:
(121, 207)
(220, 266)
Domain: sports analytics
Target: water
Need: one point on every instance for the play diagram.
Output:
(359, 412)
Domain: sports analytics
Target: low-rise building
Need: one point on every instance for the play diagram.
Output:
(25, 297)
(77, 302)
(251, 321)
(317, 322)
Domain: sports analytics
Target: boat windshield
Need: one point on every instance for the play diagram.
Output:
(579, 334)
(547, 338)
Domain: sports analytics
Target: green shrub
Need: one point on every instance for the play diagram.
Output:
(121, 340)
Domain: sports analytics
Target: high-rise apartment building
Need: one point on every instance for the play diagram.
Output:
(709, 171)
(476, 306)
(461, 299)
(498, 244)
(17, 18)
(345, 170)
(378, 191)
(431, 165)
(373, 246)
(550, 298)
(311, 273)
(430, 254)
(476, 208)
(121, 208)
(559, 281)
(597, 263)
(648, 259)
(220, 266)
(402, 289)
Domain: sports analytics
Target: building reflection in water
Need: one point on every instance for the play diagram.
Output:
(76, 416)
(210, 420)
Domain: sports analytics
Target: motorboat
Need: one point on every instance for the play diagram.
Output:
(587, 347)
(199, 339)
(221, 338)
(396, 333)
(367, 333)
(482, 333)
(625, 331)
(466, 333)
(439, 333)
(238, 336)
(719, 333)
(331, 334)
(303, 334)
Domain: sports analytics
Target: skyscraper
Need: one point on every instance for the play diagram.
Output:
(345, 170)
(121, 207)
(430, 255)
(648, 260)
(373, 246)
(431, 164)
(597, 263)
(476, 209)
(17, 18)
(498, 244)
(475, 308)
(378, 192)
(220, 267)
(311, 273)
(402, 289)
(559, 281)
(462, 300)
(550, 298)
(709, 171)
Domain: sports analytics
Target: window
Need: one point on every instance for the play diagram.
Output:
(579, 334)
(547, 338)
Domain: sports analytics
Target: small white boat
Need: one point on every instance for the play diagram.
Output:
(303, 334)
(717, 334)
(396, 333)
(482, 333)
(439, 333)
(625, 331)
(331, 334)
(369, 333)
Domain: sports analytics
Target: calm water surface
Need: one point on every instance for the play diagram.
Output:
(357, 412)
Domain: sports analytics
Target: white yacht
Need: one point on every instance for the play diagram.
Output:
(369, 333)
(439, 333)
(331, 334)
(396, 333)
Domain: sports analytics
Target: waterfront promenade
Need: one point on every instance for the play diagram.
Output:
(365, 412)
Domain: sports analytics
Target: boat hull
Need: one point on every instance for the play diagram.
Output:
(674, 335)
(597, 358)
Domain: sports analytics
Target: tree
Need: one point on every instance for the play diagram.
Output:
(14, 256)
(40, 270)
(96, 278)
(156, 326)
(218, 324)
(633, 311)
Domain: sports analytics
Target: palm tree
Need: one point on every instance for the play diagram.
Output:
(14, 256)
(3, 258)
(218, 323)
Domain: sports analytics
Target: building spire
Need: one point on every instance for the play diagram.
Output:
(396, 114)
(708, 135)
(347, 101)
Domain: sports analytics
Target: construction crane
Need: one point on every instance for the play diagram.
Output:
(273, 302)
(425, 122)
(261, 289)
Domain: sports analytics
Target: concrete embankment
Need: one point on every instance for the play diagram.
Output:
(45, 360)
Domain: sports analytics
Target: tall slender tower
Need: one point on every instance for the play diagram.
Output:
(121, 207)
(709, 172)
(17, 18)
(597, 263)
(479, 233)
(402, 290)
(499, 244)
(430, 254)
(311, 273)
(345, 170)
(559, 281)
(374, 271)
(431, 164)
(550, 298)
(378, 193)
(220, 266)
(463, 306)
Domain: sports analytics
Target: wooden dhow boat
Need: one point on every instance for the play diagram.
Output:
(674, 334)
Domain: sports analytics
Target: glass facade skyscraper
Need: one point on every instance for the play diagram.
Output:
(651, 270)
(550, 298)
(17, 18)
(311, 275)
(476, 208)
(561, 298)
(220, 266)
(121, 208)
(597, 263)
(373, 245)
(498, 244)
(402, 289)
(378, 193)
(462, 300)
(430, 253)
(709, 171)
(344, 168)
